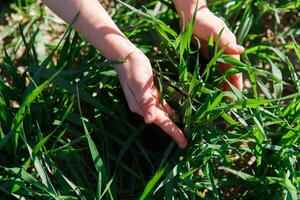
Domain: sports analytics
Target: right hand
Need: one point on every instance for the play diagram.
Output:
(142, 96)
(207, 24)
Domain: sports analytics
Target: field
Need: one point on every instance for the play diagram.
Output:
(66, 131)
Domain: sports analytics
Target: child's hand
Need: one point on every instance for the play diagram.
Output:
(135, 74)
(208, 24)
(142, 96)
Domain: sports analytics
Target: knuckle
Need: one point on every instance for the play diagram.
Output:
(142, 100)
(222, 23)
(140, 81)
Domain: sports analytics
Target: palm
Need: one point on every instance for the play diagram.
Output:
(143, 97)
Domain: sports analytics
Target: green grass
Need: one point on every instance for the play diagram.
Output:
(66, 131)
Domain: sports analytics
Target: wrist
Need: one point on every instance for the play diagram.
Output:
(135, 63)
(131, 57)
(115, 46)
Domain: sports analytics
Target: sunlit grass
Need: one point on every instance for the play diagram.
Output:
(66, 131)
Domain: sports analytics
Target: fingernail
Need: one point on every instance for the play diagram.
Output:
(184, 144)
(239, 48)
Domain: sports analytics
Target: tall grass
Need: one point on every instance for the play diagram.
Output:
(66, 131)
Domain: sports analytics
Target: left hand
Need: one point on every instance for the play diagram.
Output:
(143, 97)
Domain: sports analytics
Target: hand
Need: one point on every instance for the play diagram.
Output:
(142, 96)
(206, 24)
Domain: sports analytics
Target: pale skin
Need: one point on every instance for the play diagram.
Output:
(135, 74)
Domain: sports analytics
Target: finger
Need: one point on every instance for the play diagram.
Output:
(224, 67)
(234, 48)
(228, 50)
(235, 79)
(145, 100)
(166, 124)
(229, 39)
(133, 106)
(205, 29)
(149, 110)
(168, 109)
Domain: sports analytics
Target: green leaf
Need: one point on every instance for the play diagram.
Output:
(151, 184)
(98, 162)
(242, 175)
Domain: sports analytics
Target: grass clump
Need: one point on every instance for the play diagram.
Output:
(66, 132)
